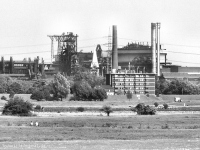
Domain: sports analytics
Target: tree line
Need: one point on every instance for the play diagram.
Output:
(176, 86)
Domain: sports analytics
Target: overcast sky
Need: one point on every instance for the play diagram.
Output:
(25, 24)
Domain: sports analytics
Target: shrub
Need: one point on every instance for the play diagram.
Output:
(100, 94)
(38, 107)
(46, 95)
(3, 98)
(165, 106)
(80, 109)
(149, 110)
(31, 90)
(140, 108)
(37, 95)
(107, 110)
(129, 95)
(156, 104)
(17, 106)
(143, 109)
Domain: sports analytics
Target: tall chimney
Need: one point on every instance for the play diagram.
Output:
(153, 46)
(158, 48)
(114, 49)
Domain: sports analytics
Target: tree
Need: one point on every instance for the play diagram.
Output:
(4, 83)
(60, 86)
(156, 104)
(17, 106)
(107, 110)
(83, 90)
(165, 106)
(16, 88)
(92, 79)
(129, 95)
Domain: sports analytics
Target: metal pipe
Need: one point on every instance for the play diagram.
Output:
(158, 49)
(114, 49)
(153, 46)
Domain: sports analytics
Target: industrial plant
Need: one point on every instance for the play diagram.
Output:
(133, 67)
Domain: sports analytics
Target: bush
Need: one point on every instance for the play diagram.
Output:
(100, 94)
(143, 109)
(165, 106)
(3, 98)
(156, 104)
(129, 95)
(17, 106)
(37, 95)
(107, 110)
(31, 90)
(80, 109)
(46, 95)
(38, 107)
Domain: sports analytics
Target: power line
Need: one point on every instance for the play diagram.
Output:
(26, 53)
(26, 46)
(184, 53)
(182, 45)
(183, 62)
(92, 38)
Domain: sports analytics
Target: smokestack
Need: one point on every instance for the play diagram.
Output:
(114, 49)
(158, 48)
(153, 46)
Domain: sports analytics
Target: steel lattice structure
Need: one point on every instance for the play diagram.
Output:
(66, 51)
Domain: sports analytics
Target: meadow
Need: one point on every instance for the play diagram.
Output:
(182, 126)
(145, 132)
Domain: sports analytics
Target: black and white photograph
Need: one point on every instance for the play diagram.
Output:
(99, 75)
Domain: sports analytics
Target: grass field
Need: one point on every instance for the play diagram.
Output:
(100, 127)
(180, 131)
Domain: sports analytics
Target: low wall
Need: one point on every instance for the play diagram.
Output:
(183, 97)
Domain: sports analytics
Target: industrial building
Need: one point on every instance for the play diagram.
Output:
(26, 69)
(123, 67)
(134, 67)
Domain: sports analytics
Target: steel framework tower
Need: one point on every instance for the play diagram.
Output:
(66, 51)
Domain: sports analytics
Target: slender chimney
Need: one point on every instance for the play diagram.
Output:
(114, 49)
(153, 46)
(158, 48)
